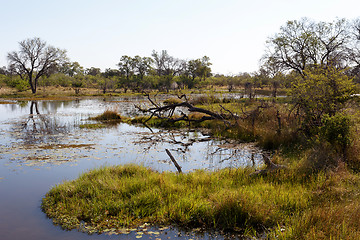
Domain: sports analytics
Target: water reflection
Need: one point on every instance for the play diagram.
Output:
(38, 128)
(55, 137)
(194, 150)
(41, 144)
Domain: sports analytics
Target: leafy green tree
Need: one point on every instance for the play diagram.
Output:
(71, 69)
(302, 44)
(126, 68)
(167, 67)
(321, 91)
(204, 69)
(142, 66)
(93, 71)
(34, 59)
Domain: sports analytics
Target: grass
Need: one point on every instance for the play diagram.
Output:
(92, 125)
(286, 205)
(109, 116)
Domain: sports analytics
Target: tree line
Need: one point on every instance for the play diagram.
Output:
(299, 47)
(37, 63)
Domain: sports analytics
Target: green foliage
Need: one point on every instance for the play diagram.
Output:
(18, 83)
(57, 79)
(2, 80)
(336, 130)
(320, 92)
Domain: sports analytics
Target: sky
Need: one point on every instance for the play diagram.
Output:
(232, 33)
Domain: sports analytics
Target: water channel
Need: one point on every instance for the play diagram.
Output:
(41, 144)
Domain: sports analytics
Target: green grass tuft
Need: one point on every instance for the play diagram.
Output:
(108, 115)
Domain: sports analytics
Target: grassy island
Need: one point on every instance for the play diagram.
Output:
(287, 204)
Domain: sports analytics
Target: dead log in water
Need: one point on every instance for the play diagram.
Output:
(173, 160)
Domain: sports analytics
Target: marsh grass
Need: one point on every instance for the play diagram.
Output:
(92, 125)
(286, 204)
(108, 116)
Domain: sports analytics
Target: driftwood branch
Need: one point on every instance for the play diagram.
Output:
(270, 167)
(173, 160)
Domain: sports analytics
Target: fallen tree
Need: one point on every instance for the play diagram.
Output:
(170, 112)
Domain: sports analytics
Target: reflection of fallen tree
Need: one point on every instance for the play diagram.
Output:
(177, 138)
(214, 152)
(184, 107)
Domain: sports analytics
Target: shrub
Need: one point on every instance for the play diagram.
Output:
(336, 130)
(18, 83)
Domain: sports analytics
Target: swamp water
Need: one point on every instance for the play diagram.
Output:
(41, 144)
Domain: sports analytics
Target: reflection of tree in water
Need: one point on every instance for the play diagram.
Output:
(213, 152)
(39, 128)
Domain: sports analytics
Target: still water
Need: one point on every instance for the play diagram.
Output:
(41, 144)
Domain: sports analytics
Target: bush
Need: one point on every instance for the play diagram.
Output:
(18, 83)
(336, 130)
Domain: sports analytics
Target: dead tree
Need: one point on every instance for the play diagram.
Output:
(167, 112)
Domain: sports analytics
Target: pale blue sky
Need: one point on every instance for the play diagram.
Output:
(97, 33)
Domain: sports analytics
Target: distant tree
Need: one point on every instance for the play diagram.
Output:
(71, 69)
(193, 67)
(93, 71)
(34, 59)
(166, 67)
(204, 69)
(126, 68)
(160, 60)
(142, 66)
(111, 73)
(273, 74)
(3, 70)
(109, 79)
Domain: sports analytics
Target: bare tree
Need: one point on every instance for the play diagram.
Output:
(34, 59)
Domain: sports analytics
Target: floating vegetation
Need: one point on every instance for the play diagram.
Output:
(60, 146)
(93, 125)
(108, 115)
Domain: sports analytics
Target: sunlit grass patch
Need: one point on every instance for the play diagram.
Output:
(172, 100)
(92, 125)
(126, 196)
(108, 115)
